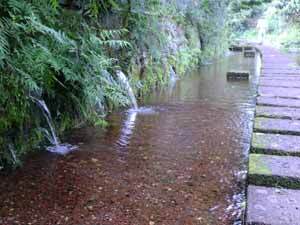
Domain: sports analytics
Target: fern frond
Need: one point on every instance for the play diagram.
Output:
(59, 36)
(3, 43)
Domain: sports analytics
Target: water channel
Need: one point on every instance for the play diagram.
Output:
(179, 159)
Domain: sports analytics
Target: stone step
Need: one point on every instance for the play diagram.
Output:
(279, 92)
(280, 68)
(275, 144)
(270, 75)
(275, 71)
(279, 83)
(249, 53)
(238, 75)
(279, 126)
(281, 78)
(272, 206)
(281, 102)
(274, 171)
(278, 112)
(249, 48)
(236, 48)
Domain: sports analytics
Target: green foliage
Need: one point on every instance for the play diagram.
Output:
(41, 56)
(66, 53)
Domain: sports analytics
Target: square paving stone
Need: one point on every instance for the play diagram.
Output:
(279, 83)
(275, 101)
(249, 53)
(278, 112)
(275, 144)
(279, 92)
(280, 78)
(238, 75)
(279, 126)
(274, 171)
(272, 206)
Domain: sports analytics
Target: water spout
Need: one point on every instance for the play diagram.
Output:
(41, 103)
(123, 79)
(56, 147)
(173, 75)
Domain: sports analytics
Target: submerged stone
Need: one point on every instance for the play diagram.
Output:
(275, 144)
(248, 48)
(238, 75)
(273, 206)
(249, 54)
(236, 48)
(270, 170)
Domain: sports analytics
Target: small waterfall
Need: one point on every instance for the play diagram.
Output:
(41, 103)
(123, 79)
(173, 75)
(56, 147)
(13, 154)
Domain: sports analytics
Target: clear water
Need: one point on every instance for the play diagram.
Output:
(179, 159)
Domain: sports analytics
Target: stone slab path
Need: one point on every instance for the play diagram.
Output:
(273, 192)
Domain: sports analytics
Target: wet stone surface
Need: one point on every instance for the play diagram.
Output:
(275, 144)
(277, 101)
(279, 83)
(274, 160)
(286, 72)
(271, 125)
(279, 92)
(270, 170)
(280, 78)
(238, 75)
(278, 112)
(249, 53)
(273, 206)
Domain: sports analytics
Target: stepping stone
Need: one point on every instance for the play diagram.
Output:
(248, 48)
(275, 71)
(275, 144)
(272, 206)
(281, 102)
(281, 78)
(236, 48)
(249, 54)
(279, 83)
(279, 126)
(238, 75)
(277, 112)
(276, 75)
(279, 92)
(274, 171)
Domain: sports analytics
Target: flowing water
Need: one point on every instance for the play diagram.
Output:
(124, 81)
(52, 137)
(178, 160)
(56, 146)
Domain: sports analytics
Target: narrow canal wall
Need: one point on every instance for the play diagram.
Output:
(273, 191)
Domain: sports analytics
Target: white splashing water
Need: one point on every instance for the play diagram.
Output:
(173, 75)
(127, 129)
(41, 103)
(123, 79)
(56, 147)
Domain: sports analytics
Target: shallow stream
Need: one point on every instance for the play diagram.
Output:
(179, 160)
